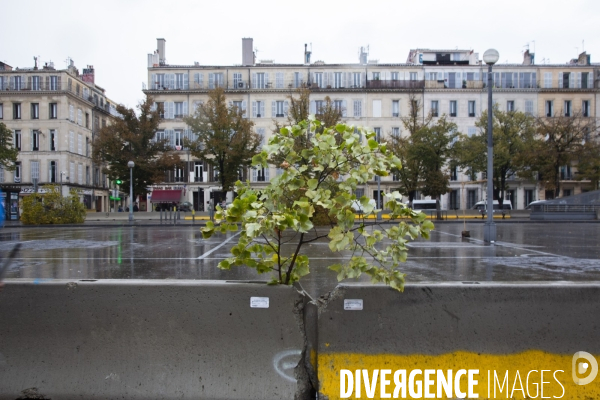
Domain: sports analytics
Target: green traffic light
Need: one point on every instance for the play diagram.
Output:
(118, 181)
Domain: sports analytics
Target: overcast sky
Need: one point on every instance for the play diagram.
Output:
(116, 36)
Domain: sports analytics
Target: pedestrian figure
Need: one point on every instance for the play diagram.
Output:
(210, 210)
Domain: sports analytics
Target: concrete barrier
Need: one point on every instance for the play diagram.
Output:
(501, 329)
(136, 339)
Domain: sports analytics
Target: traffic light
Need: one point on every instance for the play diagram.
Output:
(118, 181)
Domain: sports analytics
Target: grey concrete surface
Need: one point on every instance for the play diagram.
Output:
(438, 318)
(148, 339)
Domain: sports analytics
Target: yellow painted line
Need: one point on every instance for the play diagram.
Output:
(516, 386)
(197, 218)
(387, 216)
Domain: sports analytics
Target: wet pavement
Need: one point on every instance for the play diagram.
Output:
(525, 252)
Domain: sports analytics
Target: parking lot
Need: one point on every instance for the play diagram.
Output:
(525, 252)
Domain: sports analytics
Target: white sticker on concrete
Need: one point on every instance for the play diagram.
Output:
(353, 304)
(259, 302)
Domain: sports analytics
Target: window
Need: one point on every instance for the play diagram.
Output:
(17, 173)
(454, 200)
(79, 144)
(356, 80)
(471, 198)
(17, 140)
(80, 174)
(567, 108)
(198, 172)
(340, 107)
(52, 172)
(471, 108)
(35, 171)
(394, 76)
(16, 110)
(279, 80)
(260, 81)
(260, 175)
(87, 120)
(279, 109)
(396, 132)
(585, 108)
(87, 146)
(297, 79)
(160, 106)
(16, 82)
(79, 117)
(318, 79)
(318, 106)
(471, 130)
(376, 108)
(159, 82)
(35, 110)
(357, 108)
(566, 80)
(215, 80)
(35, 140)
(241, 106)
(52, 140)
(527, 80)
(258, 109)
(454, 173)
(53, 111)
(178, 174)
(87, 175)
(376, 76)
(529, 107)
(180, 81)
(77, 88)
(71, 113)
(179, 109)
(395, 108)
(413, 76)
(583, 80)
(1, 111)
(434, 108)
(178, 139)
(547, 79)
(71, 176)
(377, 134)
(337, 80)
(549, 108)
(54, 82)
(238, 83)
(453, 108)
(510, 105)
(72, 142)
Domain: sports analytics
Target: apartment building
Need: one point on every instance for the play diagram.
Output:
(370, 94)
(54, 115)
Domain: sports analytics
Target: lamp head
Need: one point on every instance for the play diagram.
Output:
(491, 56)
(131, 164)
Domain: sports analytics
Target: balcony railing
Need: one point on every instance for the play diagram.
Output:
(392, 84)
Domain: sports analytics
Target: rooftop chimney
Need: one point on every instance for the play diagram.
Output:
(88, 74)
(248, 51)
(307, 54)
(584, 59)
(528, 58)
(160, 44)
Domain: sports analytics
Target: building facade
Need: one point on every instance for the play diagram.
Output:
(54, 116)
(370, 94)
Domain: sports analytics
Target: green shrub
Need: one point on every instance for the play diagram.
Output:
(52, 208)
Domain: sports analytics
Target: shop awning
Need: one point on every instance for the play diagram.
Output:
(166, 196)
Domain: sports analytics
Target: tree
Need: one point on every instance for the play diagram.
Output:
(274, 230)
(8, 153)
(132, 138)
(559, 142)
(426, 153)
(225, 138)
(511, 131)
(50, 207)
(588, 166)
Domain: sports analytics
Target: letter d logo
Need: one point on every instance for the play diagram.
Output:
(583, 367)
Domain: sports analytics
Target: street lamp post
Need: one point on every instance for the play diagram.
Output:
(131, 164)
(490, 57)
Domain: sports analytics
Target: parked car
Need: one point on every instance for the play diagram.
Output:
(419, 205)
(481, 206)
(185, 206)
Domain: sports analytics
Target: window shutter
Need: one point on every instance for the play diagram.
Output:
(196, 80)
(267, 179)
(313, 107)
(186, 83)
(171, 81)
(211, 80)
(254, 80)
(254, 109)
(185, 108)
(244, 108)
(266, 82)
(31, 140)
(330, 76)
(152, 85)
(153, 107)
(254, 171)
(571, 80)
(591, 80)
(262, 109)
(560, 79)
(344, 113)
(171, 110)
(285, 108)
(273, 109)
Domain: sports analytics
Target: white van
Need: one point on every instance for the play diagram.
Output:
(481, 205)
(419, 205)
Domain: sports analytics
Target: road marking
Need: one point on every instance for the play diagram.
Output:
(218, 247)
